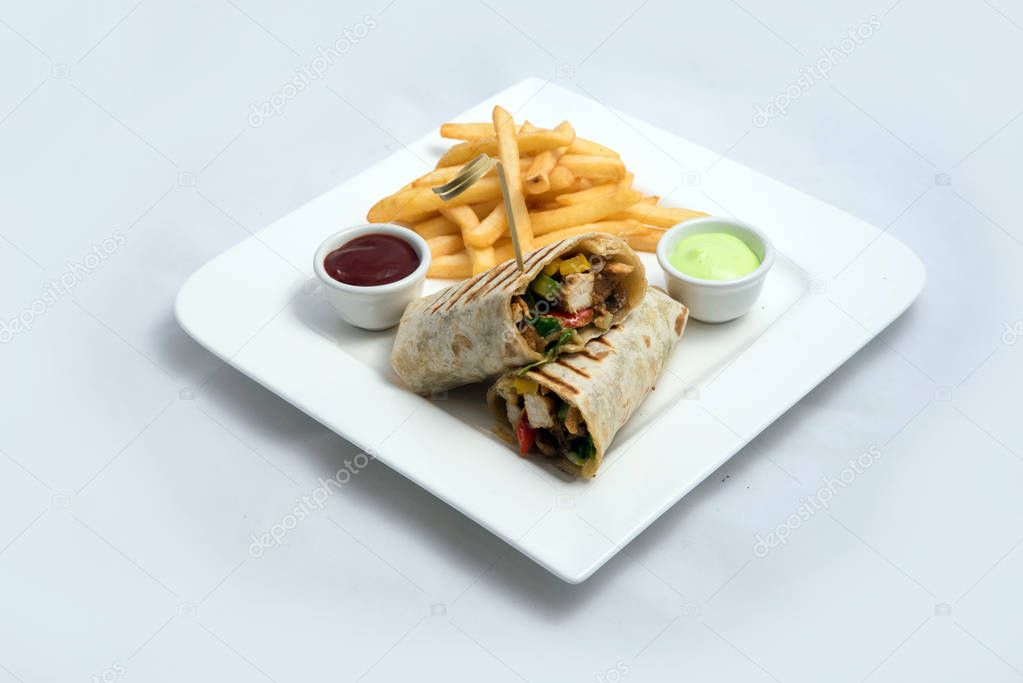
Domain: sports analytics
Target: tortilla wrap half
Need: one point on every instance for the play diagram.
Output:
(466, 333)
(605, 382)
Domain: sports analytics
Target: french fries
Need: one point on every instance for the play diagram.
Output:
(559, 185)
(440, 176)
(527, 143)
(594, 166)
(489, 229)
(567, 216)
(659, 216)
(595, 192)
(451, 266)
(442, 245)
(508, 146)
(419, 202)
(610, 227)
(643, 238)
(537, 178)
(435, 227)
(467, 221)
(466, 131)
(583, 146)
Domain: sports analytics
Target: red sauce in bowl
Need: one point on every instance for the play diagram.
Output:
(370, 260)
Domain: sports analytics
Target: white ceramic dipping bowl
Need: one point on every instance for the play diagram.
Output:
(376, 307)
(716, 301)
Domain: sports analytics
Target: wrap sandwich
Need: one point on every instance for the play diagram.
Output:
(571, 409)
(569, 293)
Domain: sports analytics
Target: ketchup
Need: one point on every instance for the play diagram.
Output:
(372, 260)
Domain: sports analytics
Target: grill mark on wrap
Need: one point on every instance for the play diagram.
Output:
(542, 253)
(448, 293)
(444, 296)
(563, 363)
(591, 356)
(482, 280)
(492, 279)
(557, 382)
(527, 264)
(509, 270)
(604, 341)
(469, 284)
(475, 291)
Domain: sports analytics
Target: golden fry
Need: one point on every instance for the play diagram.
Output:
(574, 186)
(610, 227)
(660, 216)
(584, 146)
(503, 250)
(419, 202)
(583, 196)
(484, 209)
(537, 178)
(442, 245)
(467, 131)
(546, 205)
(462, 216)
(567, 216)
(451, 266)
(482, 260)
(489, 229)
(527, 143)
(644, 238)
(561, 179)
(509, 153)
(594, 166)
(467, 221)
(439, 176)
(435, 227)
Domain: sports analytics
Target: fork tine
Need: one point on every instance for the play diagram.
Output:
(459, 177)
(467, 176)
(465, 182)
(466, 171)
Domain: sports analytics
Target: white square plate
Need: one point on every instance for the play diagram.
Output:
(837, 283)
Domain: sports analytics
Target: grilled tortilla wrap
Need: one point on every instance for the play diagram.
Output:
(575, 405)
(483, 326)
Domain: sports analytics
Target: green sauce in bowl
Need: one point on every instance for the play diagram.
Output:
(713, 256)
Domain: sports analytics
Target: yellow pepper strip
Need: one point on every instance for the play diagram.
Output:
(524, 385)
(577, 264)
(552, 267)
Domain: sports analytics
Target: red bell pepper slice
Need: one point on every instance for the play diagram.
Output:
(525, 434)
(573, 320)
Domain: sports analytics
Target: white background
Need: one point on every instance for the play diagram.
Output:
(133, 467)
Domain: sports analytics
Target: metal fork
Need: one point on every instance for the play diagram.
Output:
(467, 177)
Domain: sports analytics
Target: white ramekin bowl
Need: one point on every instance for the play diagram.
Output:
(376, 307)
(716, 301)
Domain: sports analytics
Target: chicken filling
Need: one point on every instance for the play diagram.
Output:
(568, 296)
(544, 422)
